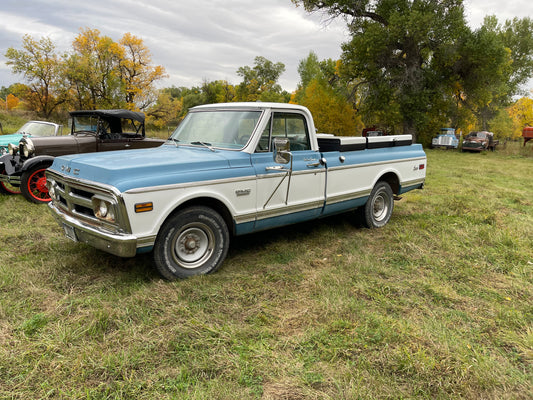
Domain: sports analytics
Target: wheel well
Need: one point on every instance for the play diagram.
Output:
(392, 179)
(32, 162)
(215, 204)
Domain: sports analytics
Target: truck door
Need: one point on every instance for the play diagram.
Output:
(291, 192)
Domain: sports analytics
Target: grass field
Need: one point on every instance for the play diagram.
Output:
(436, 305)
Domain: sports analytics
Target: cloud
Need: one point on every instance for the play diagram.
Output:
(201, 39)
(204, 39)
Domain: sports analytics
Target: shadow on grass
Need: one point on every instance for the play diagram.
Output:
(88, 263)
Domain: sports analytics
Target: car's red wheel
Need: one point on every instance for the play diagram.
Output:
(33, 184)
(7, 188)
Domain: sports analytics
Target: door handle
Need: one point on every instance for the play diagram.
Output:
(315, 164)
(275, 168)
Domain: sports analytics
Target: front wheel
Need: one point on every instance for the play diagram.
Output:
(191, 242)
(33, 184)
(378, 209)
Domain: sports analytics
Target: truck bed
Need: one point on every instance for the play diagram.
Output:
(328, 142)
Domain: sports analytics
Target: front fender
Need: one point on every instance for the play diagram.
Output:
(31, 162)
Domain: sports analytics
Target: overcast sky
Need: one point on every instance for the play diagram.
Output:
(202, 39)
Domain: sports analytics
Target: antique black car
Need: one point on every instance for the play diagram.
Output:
(90, 131)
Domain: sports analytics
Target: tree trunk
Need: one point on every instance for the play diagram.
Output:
(409, 128)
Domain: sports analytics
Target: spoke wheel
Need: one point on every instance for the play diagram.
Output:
(33, 185)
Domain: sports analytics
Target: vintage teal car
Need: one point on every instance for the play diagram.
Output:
(31, 128)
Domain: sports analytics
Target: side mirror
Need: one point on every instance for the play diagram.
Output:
(282, 150)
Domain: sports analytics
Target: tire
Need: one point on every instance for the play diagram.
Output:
(7, 188)
(33, 184)
(377, 211)
(193, 241)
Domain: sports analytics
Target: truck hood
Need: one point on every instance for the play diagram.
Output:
(164, 165)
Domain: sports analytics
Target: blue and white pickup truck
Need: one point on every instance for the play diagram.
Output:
(227, 170)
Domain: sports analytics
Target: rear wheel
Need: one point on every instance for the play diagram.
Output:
(378, 209)
(33, 184)
(7, 188)
(191, 242)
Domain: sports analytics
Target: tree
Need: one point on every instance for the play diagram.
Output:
(484, 69)
(165, 111)
(137, 73)
(40, 65)
(93, 71)
(518, 37)
(521, 114)
(331, 113)
(260, 82)
(217, 91)
(392, 50)
(317, 90)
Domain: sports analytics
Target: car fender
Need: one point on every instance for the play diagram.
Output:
(31, 162)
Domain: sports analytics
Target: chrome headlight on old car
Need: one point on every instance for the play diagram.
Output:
(26, 147)
(103, 209)
(12, 149)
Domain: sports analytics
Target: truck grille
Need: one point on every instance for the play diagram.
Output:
(75, 198)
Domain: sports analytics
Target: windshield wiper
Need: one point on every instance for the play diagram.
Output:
(174, 140)
(208, 145)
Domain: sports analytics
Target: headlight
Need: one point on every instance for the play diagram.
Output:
(12, 148)
(103, 209)
(27, 147)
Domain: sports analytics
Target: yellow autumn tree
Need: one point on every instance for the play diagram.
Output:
(92, 70)
(521, 113)
(331, 112)
(11, 102)
(108, 74)
(41, 67)
(165, 111)
(137, 73)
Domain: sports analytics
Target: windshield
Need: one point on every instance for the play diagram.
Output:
(37, 129)
(227, 129)
(481, 135)
(87, 123)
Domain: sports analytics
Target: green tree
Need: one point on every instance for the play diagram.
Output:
(40, 66)
(484, 69)
(218, 91)
(260, 82)
(518, 37)
(165, 111)
(392, 51)
(317, 90)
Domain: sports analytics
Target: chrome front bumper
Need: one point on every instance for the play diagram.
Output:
(122, 245)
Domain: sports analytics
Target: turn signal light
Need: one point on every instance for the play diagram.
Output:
(144, 207)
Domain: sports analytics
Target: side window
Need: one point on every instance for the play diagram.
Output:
(288, 125)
